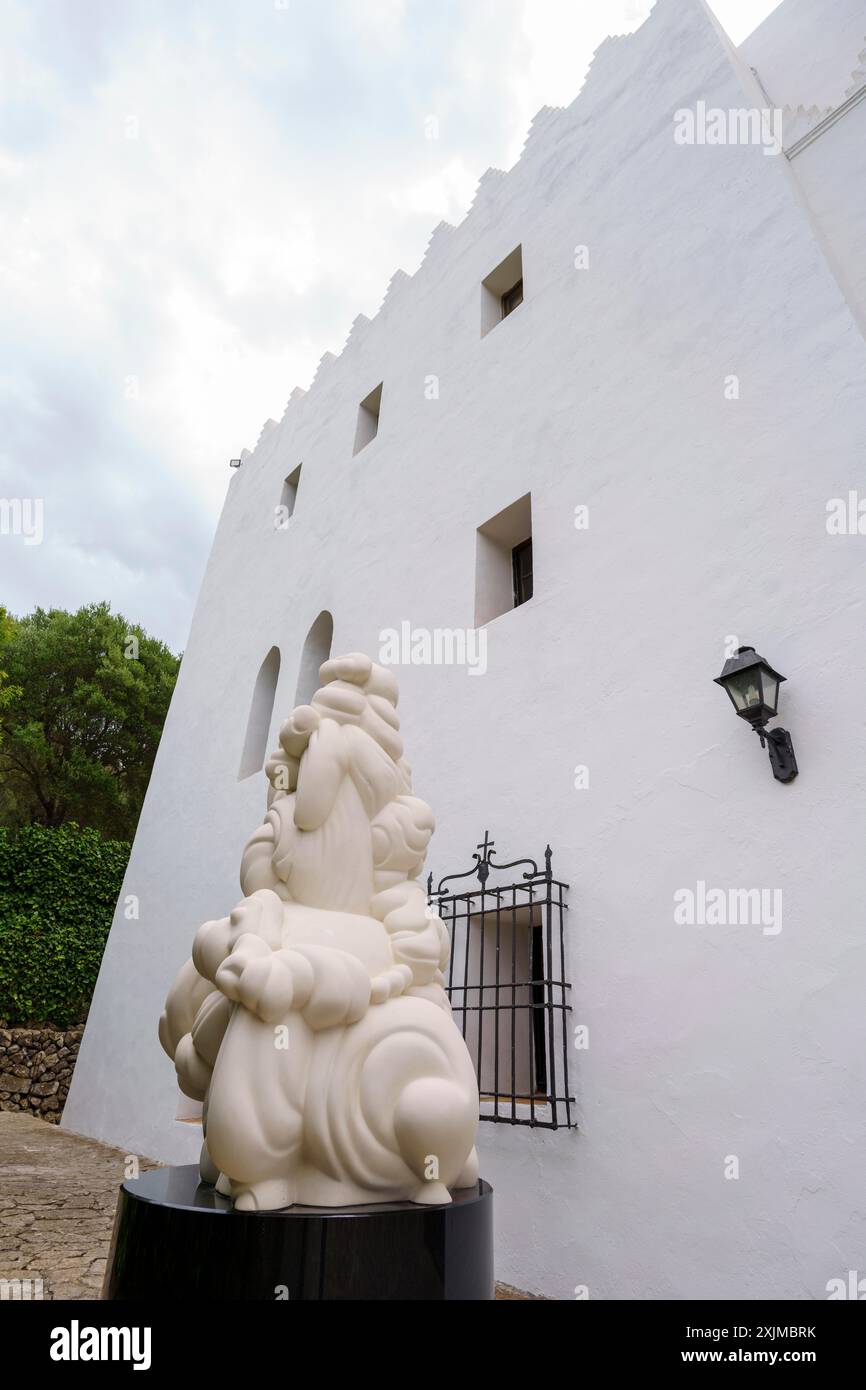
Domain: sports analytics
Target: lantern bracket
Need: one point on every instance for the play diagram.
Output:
(781, 750)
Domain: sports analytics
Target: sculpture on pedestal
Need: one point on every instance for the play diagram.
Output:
(312, 1022)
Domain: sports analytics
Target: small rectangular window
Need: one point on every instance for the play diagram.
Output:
(502, 291)
(368, 419)
(503, 562)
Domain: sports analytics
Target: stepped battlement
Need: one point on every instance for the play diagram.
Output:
(549, 126)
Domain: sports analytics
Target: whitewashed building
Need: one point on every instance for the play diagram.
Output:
(675, 416)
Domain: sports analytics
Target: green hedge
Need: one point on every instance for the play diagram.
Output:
(58, 890)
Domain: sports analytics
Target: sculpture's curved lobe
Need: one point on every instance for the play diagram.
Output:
(312, 1022)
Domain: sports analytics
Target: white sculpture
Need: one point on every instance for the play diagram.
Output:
(312, 1023)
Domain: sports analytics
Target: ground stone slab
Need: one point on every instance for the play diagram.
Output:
(58, 1194)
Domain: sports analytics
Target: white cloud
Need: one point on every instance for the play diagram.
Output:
(444, 195)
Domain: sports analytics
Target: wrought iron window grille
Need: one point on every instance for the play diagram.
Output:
(508, 989)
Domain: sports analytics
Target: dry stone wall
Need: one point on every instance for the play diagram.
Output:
(36, 1066)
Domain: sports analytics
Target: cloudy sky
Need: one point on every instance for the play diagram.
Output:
(197, 197)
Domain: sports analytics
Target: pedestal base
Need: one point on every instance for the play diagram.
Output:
(177, 1240)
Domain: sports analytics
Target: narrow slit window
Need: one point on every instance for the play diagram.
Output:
(288, 499)
(317, 650)
(260, 716)
(368, 419)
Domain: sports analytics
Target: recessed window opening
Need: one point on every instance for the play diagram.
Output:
(502, 291)
(317, 650)
(260, 716)
(288, 499)
(368, 419)
(504, 562)
(519, 947)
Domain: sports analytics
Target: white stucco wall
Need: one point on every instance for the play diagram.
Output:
(707, 519)
(806, 50)
(811, 59)
(831, 174)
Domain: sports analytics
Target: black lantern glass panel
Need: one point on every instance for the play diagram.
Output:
(771, 689)
(752, 684)
(745, 690)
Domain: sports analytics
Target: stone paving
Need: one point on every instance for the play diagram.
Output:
(58, 1194)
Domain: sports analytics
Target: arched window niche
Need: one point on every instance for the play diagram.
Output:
(261, 713)
(317, 650)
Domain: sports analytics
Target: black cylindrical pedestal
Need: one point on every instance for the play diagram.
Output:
(177, 1240)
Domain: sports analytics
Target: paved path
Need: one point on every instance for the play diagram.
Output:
(58, 1195)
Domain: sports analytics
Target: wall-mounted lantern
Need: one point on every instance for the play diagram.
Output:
(753, 686)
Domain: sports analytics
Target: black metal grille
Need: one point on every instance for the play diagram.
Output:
(508, 990)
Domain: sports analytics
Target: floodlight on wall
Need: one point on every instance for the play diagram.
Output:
(753, 687)
(234, 463)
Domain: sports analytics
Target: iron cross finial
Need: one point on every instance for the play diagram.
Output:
(486, 847)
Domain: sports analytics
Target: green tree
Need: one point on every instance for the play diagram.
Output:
(7, 691)
(82, 707)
